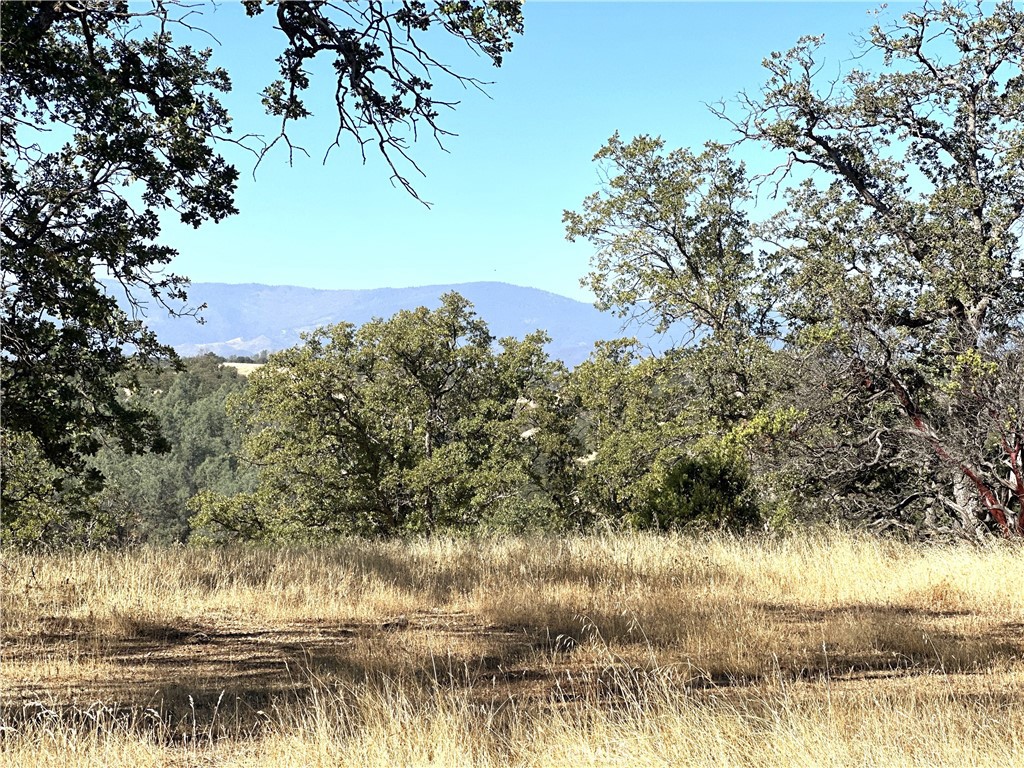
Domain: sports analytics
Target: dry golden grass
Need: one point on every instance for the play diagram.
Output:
(244, 369)
(604, 650)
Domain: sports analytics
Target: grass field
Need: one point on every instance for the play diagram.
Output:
(604, 650)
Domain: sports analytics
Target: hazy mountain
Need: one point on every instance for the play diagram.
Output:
(246, 319)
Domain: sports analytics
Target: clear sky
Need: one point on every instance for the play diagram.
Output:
(580, 72)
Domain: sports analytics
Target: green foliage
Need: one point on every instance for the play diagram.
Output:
(154, 489)
(127, 114)
(406, 424)
(383, 71)
(709, 490)
(44, 506)
(673, 239)
(655, 457)
(860, 353)
(907, 273)
(628, 422)
(675, 246)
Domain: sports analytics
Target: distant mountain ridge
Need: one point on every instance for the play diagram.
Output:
(245, 319)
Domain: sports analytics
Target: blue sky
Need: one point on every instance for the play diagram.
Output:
(580, 72)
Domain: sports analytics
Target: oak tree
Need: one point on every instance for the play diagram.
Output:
(907, 267)
(413, 423)
(885, 302)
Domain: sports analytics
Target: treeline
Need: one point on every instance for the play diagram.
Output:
(419, 423)
(857, 354)
(424, 423)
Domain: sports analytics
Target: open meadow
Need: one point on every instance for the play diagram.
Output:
(828, 650)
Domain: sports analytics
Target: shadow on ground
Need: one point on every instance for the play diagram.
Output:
(198, 676)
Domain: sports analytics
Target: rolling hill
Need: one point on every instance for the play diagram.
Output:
(247, 319)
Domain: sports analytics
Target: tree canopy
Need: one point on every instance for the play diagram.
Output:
(405, 424)
(907, 262)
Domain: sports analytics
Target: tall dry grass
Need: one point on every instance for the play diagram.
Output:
(601, 650)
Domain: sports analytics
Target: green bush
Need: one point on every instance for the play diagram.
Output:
(712, 491)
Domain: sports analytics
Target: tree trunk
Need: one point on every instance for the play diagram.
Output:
(967, 507)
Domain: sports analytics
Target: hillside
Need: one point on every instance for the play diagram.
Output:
(246, 319)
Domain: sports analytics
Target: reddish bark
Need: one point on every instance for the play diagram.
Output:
(992, 505)
(1013, 453)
